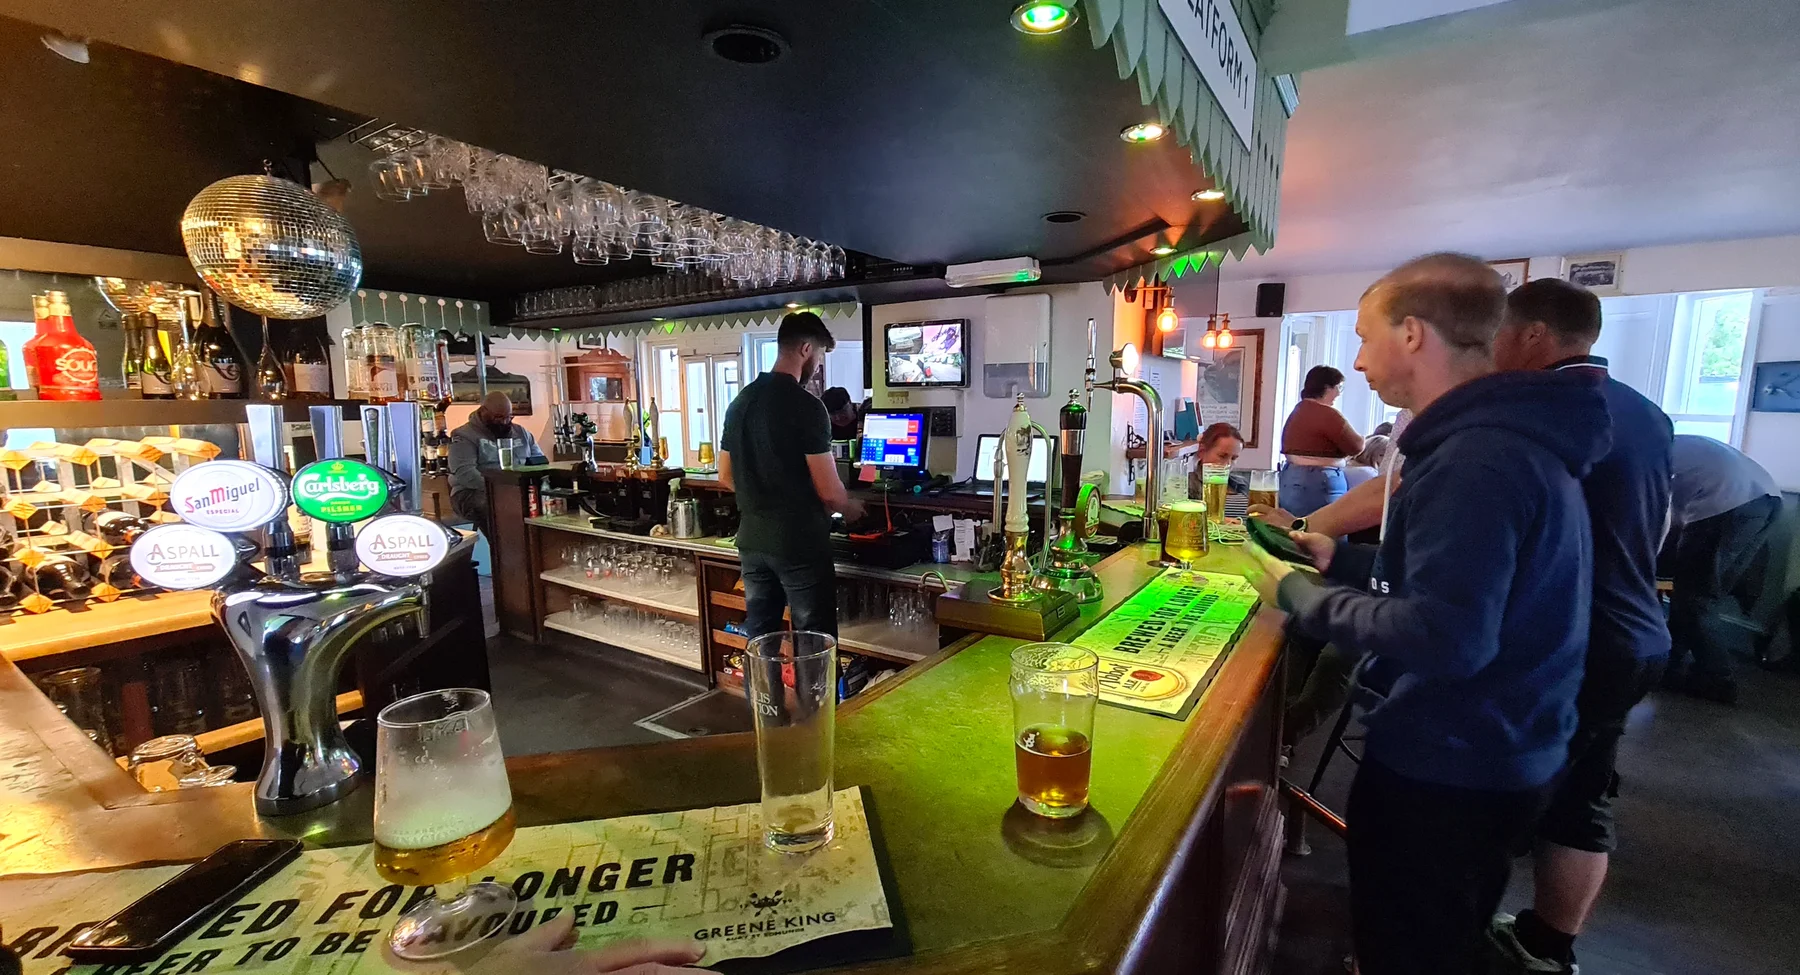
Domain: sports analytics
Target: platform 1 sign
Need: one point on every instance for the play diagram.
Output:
(701, 874)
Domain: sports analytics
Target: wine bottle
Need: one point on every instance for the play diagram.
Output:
(271, 380)
(184, 377)
(116, 571)
(116, 527)
(220, 360)
(67, 366)
(61, 577)
(157, 378)
(132, 324)
(308, 364)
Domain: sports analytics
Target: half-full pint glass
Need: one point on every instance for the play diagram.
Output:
(791, 680)
(1216, 481)
(1054, 689)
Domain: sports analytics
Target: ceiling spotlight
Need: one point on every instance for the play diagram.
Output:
(1167, 320)
(72, 48)
(1042, 18)
(1162, 250)
(1143, 132)
(793, 304)
(1208, 196)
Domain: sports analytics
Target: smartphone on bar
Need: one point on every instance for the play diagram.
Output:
(155, 922)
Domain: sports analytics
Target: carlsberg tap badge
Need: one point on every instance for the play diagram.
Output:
(340, 490)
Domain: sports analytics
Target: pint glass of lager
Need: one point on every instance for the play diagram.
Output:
(1216, 481)
(791, 680)
(1054, 689)
(443, 809)
(1265, 488)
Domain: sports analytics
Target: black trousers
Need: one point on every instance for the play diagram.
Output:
(1711, 557)
(806, 587)
(1428, 865)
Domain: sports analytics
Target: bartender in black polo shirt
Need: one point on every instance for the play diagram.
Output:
(777, 456)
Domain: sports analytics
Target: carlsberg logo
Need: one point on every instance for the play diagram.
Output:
(329, 486)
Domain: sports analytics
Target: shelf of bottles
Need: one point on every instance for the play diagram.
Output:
(385, 363)
(69, 512)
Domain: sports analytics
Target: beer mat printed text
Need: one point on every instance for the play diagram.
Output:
(1157, 649)
(702, 873)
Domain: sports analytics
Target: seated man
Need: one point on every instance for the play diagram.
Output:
(475, 447)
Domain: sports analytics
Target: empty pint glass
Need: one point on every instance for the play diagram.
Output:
(1054, 689)
(791, 680)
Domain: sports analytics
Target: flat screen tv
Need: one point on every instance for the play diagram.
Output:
(928, 353)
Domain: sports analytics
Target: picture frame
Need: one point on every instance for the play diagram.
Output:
(1513, 272)
(1603, 273)
(1776, 388)
(1229, 388)
(591, 341)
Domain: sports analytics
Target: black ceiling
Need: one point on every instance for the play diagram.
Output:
(918, 130)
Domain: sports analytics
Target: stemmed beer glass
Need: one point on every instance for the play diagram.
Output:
(443, 810)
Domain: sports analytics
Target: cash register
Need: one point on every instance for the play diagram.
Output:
(894, 445)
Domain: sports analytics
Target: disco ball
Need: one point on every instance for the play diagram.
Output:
(269, 245)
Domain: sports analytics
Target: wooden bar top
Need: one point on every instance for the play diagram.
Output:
(933, 748)
(29, 636)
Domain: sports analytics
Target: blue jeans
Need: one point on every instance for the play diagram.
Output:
(1305, 489)
(807, 586)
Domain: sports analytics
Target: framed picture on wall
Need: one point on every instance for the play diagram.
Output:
(1229, 389)
(1603, 274)
(1514, 272)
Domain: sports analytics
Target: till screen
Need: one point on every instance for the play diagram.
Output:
(893, 439)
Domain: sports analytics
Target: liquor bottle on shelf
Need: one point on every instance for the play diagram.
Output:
(382, 358)
(132, 324)
(157, 378)
(356, 375)
(271, 380)
(116, 527)
(440, 350)
(59, 577)
(308, 363)
(40, 314)
(184, 377)
(216, 353)
(67, 366)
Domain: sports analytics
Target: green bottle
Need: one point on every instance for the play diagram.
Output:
(6, 391)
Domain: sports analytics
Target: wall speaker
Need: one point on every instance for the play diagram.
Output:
(1270, 297)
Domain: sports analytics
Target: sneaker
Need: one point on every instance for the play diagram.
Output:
(1506, 956)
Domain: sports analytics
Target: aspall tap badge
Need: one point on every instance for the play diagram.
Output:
(402, 545)
(340, 490)
(228, 495)
(183, 556)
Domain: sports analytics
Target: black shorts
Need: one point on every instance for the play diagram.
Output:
(1580, 814)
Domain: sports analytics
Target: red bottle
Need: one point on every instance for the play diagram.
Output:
(67, 366)
(40, 313)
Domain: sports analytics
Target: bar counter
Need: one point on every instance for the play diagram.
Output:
(1180, 873)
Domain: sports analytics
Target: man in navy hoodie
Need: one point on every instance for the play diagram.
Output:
(1552, 324)
(1474, 607)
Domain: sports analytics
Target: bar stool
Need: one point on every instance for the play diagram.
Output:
(1363, 696)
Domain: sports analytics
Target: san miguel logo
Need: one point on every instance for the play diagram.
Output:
(340, 490)
(228, 495)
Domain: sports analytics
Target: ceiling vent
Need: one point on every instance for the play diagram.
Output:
(741, 44)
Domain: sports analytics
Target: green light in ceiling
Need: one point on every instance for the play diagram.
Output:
(1042, 18)
(1143, 132)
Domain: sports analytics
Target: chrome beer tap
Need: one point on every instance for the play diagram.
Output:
(1153, 449)
(293, 629)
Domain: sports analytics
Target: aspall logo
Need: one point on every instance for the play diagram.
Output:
(402, 545)
(183, 556)
(227, 495)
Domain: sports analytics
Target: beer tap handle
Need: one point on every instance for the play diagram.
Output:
(281, 550)
(378, 437)
(1018, 467)
(327, 431)
(407, 444)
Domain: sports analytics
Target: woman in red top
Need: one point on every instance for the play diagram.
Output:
(1316, 439)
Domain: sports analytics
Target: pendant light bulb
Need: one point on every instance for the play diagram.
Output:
(1225, 338)
(1167, 320)
(1210, 340)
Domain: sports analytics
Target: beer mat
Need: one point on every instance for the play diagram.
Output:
(698, 873)
(1159, 649)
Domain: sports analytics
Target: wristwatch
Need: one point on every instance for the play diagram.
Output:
(1299, 525)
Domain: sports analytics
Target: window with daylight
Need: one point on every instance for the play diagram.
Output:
(668, 400)
(1707, 363)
